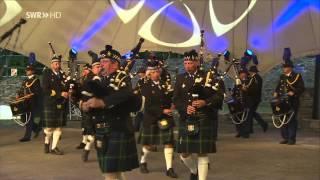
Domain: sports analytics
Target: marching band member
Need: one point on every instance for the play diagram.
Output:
(115, 141)
(194, 103)
(291, 84)
(54, 99)
(31, 85)
(157, 125)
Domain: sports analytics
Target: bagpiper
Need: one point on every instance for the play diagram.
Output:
(194, 103)
(157, 125)
(87, 124)
(55, 95)
(115, 141)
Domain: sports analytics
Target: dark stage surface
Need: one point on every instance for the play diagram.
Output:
(257, 158)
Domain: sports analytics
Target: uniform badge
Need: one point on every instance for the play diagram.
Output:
(190, 127)
(99, 144)
(59, 106)
(183, 85)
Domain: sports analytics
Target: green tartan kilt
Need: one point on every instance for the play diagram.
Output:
(87, 124)
(155, 136)
(202, 143)
(54, 117)
(117, 152)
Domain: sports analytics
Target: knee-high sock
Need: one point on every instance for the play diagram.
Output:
(48, 133)
(122, 176)
(203, 165)
(144, 155)
(89, 142)
(190, 163)
(56, 136)
(112, 176)
(168, 155)
(84, 139)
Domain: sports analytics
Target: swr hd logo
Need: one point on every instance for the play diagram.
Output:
(43, 15)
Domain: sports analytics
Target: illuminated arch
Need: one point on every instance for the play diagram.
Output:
(145, 30)
(220, 28)
(13, 8)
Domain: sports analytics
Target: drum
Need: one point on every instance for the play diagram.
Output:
(21, 105)
(282, 112)
(280, 106)
(235, 106)
(238, 111)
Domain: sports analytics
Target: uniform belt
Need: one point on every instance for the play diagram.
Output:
(102, 125)
(98, 117)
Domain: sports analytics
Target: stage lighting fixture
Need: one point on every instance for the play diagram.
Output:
(248, 52)
(73, 54)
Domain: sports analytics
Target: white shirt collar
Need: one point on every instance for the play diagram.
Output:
(31, 76)
(288, 74)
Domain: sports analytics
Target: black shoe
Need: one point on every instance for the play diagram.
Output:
(24, 139)
(143, 168)
(291, 142)
(265, 127)
(284, 142)
(81, 146)
(237, 135)
(46, 148)
(56, 151)
(193, 176)
(170, 172)
(85, 155)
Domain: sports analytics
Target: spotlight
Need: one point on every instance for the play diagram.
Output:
(73, 54)
(248, 52)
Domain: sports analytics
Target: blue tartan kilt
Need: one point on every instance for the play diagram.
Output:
(202, 143)
(116, 151)
(155, 136)
(54, 117)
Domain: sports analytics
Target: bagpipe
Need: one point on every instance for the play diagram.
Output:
(130, 58)
(282, 110)
(96, 88)
(21, 107)
(235, 98)
(193, 120)
(70, 82)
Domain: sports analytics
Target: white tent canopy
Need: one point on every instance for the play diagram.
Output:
(265, 26)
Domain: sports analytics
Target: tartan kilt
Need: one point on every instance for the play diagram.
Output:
(53, 117)
(202, 143)
(117, 153)
(87, 124)
(155, 136)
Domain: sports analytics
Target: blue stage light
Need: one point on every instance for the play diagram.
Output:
(294, 10)
(249, 52)
(80, 43)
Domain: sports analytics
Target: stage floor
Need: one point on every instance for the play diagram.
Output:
(259, 158)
